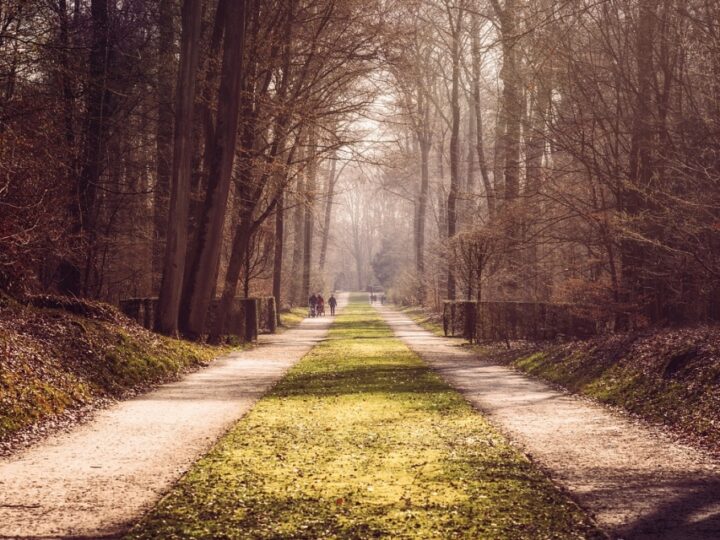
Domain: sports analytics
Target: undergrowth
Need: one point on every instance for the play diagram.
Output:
(54, 360)
(668, 376)
(362, 440)
(292, 317)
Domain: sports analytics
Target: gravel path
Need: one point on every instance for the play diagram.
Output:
(635, 481)
(96, 480)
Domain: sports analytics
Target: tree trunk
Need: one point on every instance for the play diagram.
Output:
(309, 231)
(177, 239)
(164, 134)
(278, 253)
(454, 147)
(421, 216)
(99, 108)
(329, 195)
(634, 256)
(297, 254)
(477, 103)
(222, 157)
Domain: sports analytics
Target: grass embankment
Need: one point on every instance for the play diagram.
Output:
(362, 440)
(669, 377)
(427, 318)
(292, 317)
(53, 361)
(666, 376)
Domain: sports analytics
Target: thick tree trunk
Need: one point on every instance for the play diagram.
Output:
(309, 228)
(278, 253)
(329, 195)
(634, 256)
(222, 155)
(297, 253)
(454, 148)
(99, 110)
(176, 245)
(421, 217)
(477, 103)
(164, 134)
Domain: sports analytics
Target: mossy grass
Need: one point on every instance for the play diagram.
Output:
(53, 361)
(430, 320)
(292, 317)
(362, 440)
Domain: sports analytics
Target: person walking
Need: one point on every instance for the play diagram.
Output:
(332, 302)
(312, 301)
(320, 305)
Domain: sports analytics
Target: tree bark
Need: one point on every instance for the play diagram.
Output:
(454, 146)
(99, 110)
(477, 103)
(278, 253)
(640, 173)
(222, 157)
(309, 229)
(329, 195)
(164, 134)
(177, 239)
(297, 254)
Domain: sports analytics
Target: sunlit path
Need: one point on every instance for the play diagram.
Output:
(97, 479)
(636, 482)
(362, 440)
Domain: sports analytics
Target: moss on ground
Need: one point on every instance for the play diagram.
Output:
(667, 376)
(670, 377)
(362, 440)
(430, 320)
(52, 361)
(292, 317)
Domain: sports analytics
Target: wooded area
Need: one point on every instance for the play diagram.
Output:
(498, 151)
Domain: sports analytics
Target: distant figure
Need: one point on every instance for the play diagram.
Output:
(382, 299)
(312, 301)
(333, 304)
(320, 305)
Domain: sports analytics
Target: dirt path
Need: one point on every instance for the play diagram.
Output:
(96, 480)
(636, 482)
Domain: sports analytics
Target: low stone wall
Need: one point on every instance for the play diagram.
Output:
(248, 317)
(141, 310)
(267, 315)
(241, 322)
(502, 321)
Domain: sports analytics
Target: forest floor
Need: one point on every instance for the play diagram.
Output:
(100, 476)
(61, 360)
(360, 440)
(637, 481)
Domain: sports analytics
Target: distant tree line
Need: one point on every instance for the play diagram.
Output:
(559, 151)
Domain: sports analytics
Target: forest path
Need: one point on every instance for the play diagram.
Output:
(635, 481)
(96, 480)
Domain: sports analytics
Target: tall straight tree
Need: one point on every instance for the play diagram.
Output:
(455, 14)
(329, 197)
(204, 267)
(309, 226)
(478, 110)
(164, 132)
(177, 240)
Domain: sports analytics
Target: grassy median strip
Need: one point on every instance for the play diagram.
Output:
(362, 440)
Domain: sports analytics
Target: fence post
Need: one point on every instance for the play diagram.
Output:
(250, 311)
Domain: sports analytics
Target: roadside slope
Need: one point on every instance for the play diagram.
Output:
(636, 482)
(100, 477)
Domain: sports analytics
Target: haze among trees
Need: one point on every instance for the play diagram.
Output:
(493, 150)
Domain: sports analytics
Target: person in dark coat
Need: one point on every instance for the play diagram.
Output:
(332, 302)
(313, 304)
